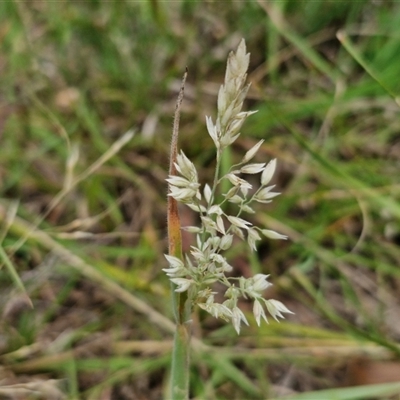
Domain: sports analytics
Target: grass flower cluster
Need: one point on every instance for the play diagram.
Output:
(196, 273)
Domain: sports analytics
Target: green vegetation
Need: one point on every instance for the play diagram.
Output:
(88, 91)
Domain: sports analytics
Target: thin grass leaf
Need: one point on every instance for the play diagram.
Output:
(348, 45)
(227, 370)
(350, 393)
(14, 274)
(286, 31)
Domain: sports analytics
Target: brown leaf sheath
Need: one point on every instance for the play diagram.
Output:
(174, 225)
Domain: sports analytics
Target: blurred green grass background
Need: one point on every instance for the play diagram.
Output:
(83, 215)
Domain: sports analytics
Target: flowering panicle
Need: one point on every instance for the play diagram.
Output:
(206, 264)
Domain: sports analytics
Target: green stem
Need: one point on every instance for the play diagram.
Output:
(179, 389)
(180, 365)
(216, 175)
